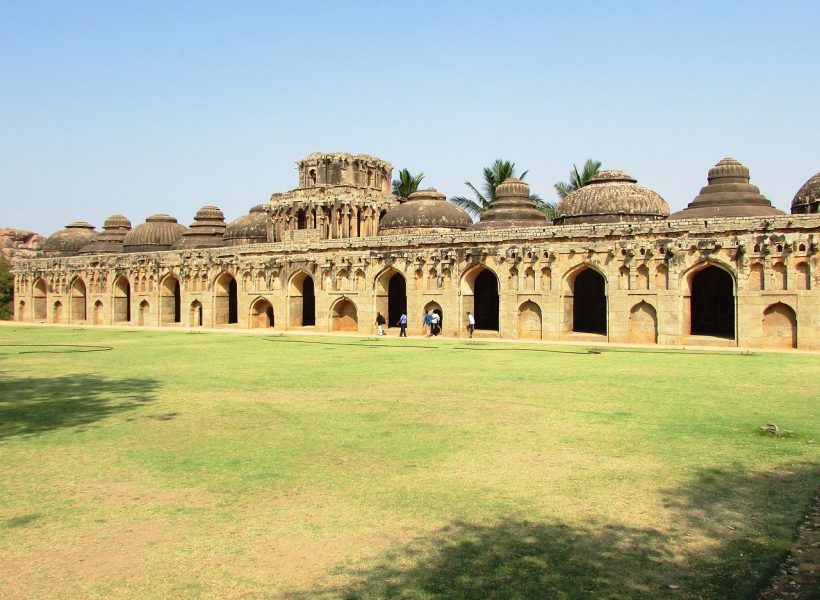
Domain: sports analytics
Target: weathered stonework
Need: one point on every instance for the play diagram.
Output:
(746, 281)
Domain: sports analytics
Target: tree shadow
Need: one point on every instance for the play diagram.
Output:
(36, 405)
(523, 559)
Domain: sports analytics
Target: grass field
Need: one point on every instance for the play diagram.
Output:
(222, 465)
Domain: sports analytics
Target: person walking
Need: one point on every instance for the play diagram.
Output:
(403, 325)
(380, 324)
(427, 323)
(470, 323)
(434, 321)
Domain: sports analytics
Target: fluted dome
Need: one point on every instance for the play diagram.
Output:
(728, 194)
(248, 229)
(206, 231)
(424, 211)
(512, 207)
(807, 198)
(110, 239)
(159, 232)
(609, 197)
(69, 241)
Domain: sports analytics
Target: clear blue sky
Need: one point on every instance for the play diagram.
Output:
(142, 107)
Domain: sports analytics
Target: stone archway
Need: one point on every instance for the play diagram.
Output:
(98, 313)
(779, 327)
(40, 301)
(301, 301)
(144, 308)
(529, 321)
(643, 324)
(170, 300)
(57, 313)
(480, 296)
(435, 307)
(391, 295)
(225, 300)
(261, 314)
(195, 315)
(122, 300)
(588, 301)
(344, 316)
(712, 303)
(78, 301)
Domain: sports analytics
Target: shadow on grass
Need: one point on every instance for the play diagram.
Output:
(38, 405)
(522, 559)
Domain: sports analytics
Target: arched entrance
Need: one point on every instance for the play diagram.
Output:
(143, 312)
(170, 301)
(588, 302)
(225, 300)
(122, 300)
(344, 316)
(78, 301)
(529, 321)
(40, 301)
(301, 301)
(195, 316)
(779, 327)
(643, 324)
(479, 291)
(261, 314)
(391, 295)
(435, 308)
(98, 312)
(712, 303)
(57, 314)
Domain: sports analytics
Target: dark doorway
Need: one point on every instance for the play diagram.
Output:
(233, 312)
(308, 303)
(486, 301)
(713, 303)
(589, 303)
(396, 299)
(300, 219)
(122, 300)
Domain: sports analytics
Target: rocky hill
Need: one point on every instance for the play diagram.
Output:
(19, 243)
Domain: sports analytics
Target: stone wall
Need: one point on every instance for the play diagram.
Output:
(649, 272)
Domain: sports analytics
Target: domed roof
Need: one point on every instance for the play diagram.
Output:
(110, 240)
(206, 231)
(248, 229)
(611, 196)
(728, 194)
(69, 241)
(425, 210)
(159, 232)
(512, 207)
(807, 198)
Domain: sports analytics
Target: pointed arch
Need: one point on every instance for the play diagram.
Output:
(529, 321)
(195, 314)
(643, 324)
(98, 313)
(40, 300)
(779, 326)
(79, 295)
(344, 316)
(708, 294)
(170, 294)
(390, 286)
(585, 300)
(261, 315)
(225, 299)
(57, 312)
(121, 299)
(144, 313)
(301, 300)
(480, 295)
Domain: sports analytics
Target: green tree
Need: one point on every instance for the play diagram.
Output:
(578, 180)
(494, 176)
(407, 183)
(6, 290)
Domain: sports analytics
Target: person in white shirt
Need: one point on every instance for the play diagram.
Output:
(470, 323)
(435, 319)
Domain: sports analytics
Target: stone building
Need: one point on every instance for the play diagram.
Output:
(729, 270)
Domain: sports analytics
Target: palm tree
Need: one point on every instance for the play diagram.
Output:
(500, 171)
(578, 180)
(406, 184)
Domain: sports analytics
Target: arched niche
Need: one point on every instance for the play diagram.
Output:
(643, 324)
(195, 314)
(121, 299)
(57, 312)
(344, 316)
(143, 316)
(78, 301)
(261, 315)
(98, 313)
(170, 294)
(779, 326)
(529, 321)
(225, 300)
(40, 300)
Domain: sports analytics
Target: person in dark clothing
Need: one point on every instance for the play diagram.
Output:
(403, 325)
(380, 321)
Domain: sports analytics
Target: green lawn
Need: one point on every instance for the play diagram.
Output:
(224, 465)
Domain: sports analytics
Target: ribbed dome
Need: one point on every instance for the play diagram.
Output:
(159, 232)
(248, 229)
(807, 198)
(424, 211)
(611, 196)
(69, 241)
(512, 207)
(110, 240)
(728, 194)
(206, 231)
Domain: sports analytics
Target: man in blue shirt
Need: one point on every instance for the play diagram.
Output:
(403, 325)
